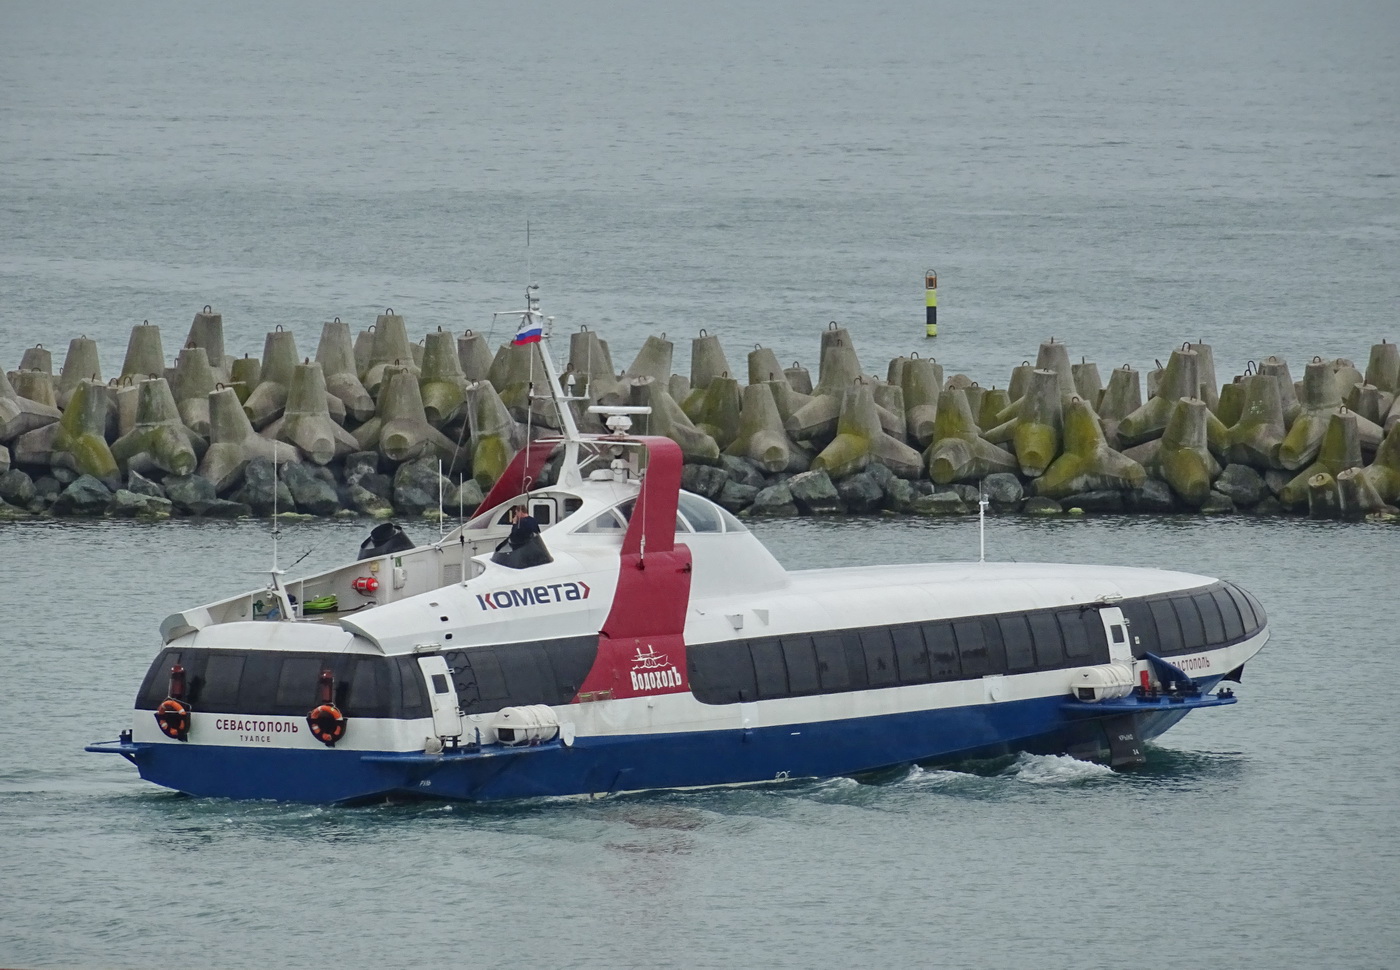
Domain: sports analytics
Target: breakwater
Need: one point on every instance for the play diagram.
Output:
(377, 424)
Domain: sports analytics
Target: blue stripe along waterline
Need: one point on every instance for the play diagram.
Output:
(595, 765)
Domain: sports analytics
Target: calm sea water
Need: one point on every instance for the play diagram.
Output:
(1121, 178)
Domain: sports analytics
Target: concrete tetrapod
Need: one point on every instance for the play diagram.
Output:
(36, 386)
(798, 378)
(191, 383)
(1383, 474)
(38, 358)
(1087, 383)
(307, 421)
(592, 365)
(1383, 367)
(515, 368)
(496, 436)
(389, 348)
(653, 360)
(921, 379)
(860, 440)
(707, 361)
(81, 364)
(474, 356)
(81, 442)
(958, 453)
(1277, 368)
(1345, 376)
(233, 443)
(279, 363)
(1339, 450)
(718, 410)
(336, 355)
(1034, 433)
(1323, 500)
(1369, 402)
(1180, 379)
(889, 407)
(144, 356)
(761, 437)
(1055, 356)
(159, 440)
(840, 369)
(668, 420)
(400, 430)
(994, 401)
(1230, 407)
(442, 383)
(1318, 400)
(19, 415)
(1184, 458)
(1087, 463)
(1254, 440)
(1357, 496)
(1207, 390)
(764, 366)
(244, 374)
(1121, 398)
(789, 402)
(207, 331)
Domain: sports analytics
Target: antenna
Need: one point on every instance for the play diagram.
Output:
(981, 523)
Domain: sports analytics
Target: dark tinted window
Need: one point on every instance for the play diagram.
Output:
(369, 694)
(1142, 627)
(996, 647)
(722, 673)
(296, 684)
(855, 659)
(413, 701)
(1075, 634)
(1210, 617)
(1229, 613)
(1193, 633)
(879, 657)
(1260, 617)
(911, 655)
(769, 668)
(942, 651)
(1168, 629)
(529, 678)
(1049, 647)
(1016, 634)
(800, 657)
(972, 648)
(831, 662)
(222, 675)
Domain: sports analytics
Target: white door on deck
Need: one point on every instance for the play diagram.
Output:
(442, 697)
(1120, 647)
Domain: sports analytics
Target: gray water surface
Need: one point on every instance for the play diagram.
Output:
(1122, 177)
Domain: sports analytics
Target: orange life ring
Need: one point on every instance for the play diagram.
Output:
(174, 719)
(327, 724)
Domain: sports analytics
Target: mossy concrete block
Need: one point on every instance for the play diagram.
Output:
(1255, 438)
(368, 503)
(1152, 497)
(207, 333)
(306, 422)
(1098, 500)
(87, 496)
(310, 493)
(1003, 490)
(81, 364)
(159, 439)
(1383, 367)
(736, 497)
(815, 493)
(1323, 499)
(16, 487)
(775, 501)
(279, 362)
(940, 503)
(20, 415)
(860, 493)
(474, 357)
(389, 347)
(1040, 505)
(668, 420)
(798, 378)
(336, 355)
(263, 490)
(1244, 486)
(764, 366)
(144, 355)
(653, 360)
(1087, 464)
(706, 480)
(1231, 403)
(441, 381)
(707, 360)
(4, 459)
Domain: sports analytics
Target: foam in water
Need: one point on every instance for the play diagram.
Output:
(1055, 769)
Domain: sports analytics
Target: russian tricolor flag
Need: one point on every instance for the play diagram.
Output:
(530, 332)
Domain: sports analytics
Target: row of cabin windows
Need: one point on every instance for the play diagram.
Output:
(737, 671)
(262, 682)
(935, 651)
(259, 682)
(1178, 623)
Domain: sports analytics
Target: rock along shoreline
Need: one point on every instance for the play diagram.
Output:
(375, 425)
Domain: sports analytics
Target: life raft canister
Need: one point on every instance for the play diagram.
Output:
(327, 724)
(174, 719)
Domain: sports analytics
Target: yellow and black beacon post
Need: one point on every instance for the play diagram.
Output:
(931, 304)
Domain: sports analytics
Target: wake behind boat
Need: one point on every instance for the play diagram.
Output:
(646, 639)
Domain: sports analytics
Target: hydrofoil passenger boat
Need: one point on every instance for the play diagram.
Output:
(660, 646)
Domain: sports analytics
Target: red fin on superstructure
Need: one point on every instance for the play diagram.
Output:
(653, 591)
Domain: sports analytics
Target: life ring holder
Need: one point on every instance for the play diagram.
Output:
(327, 724)
(174, 719)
